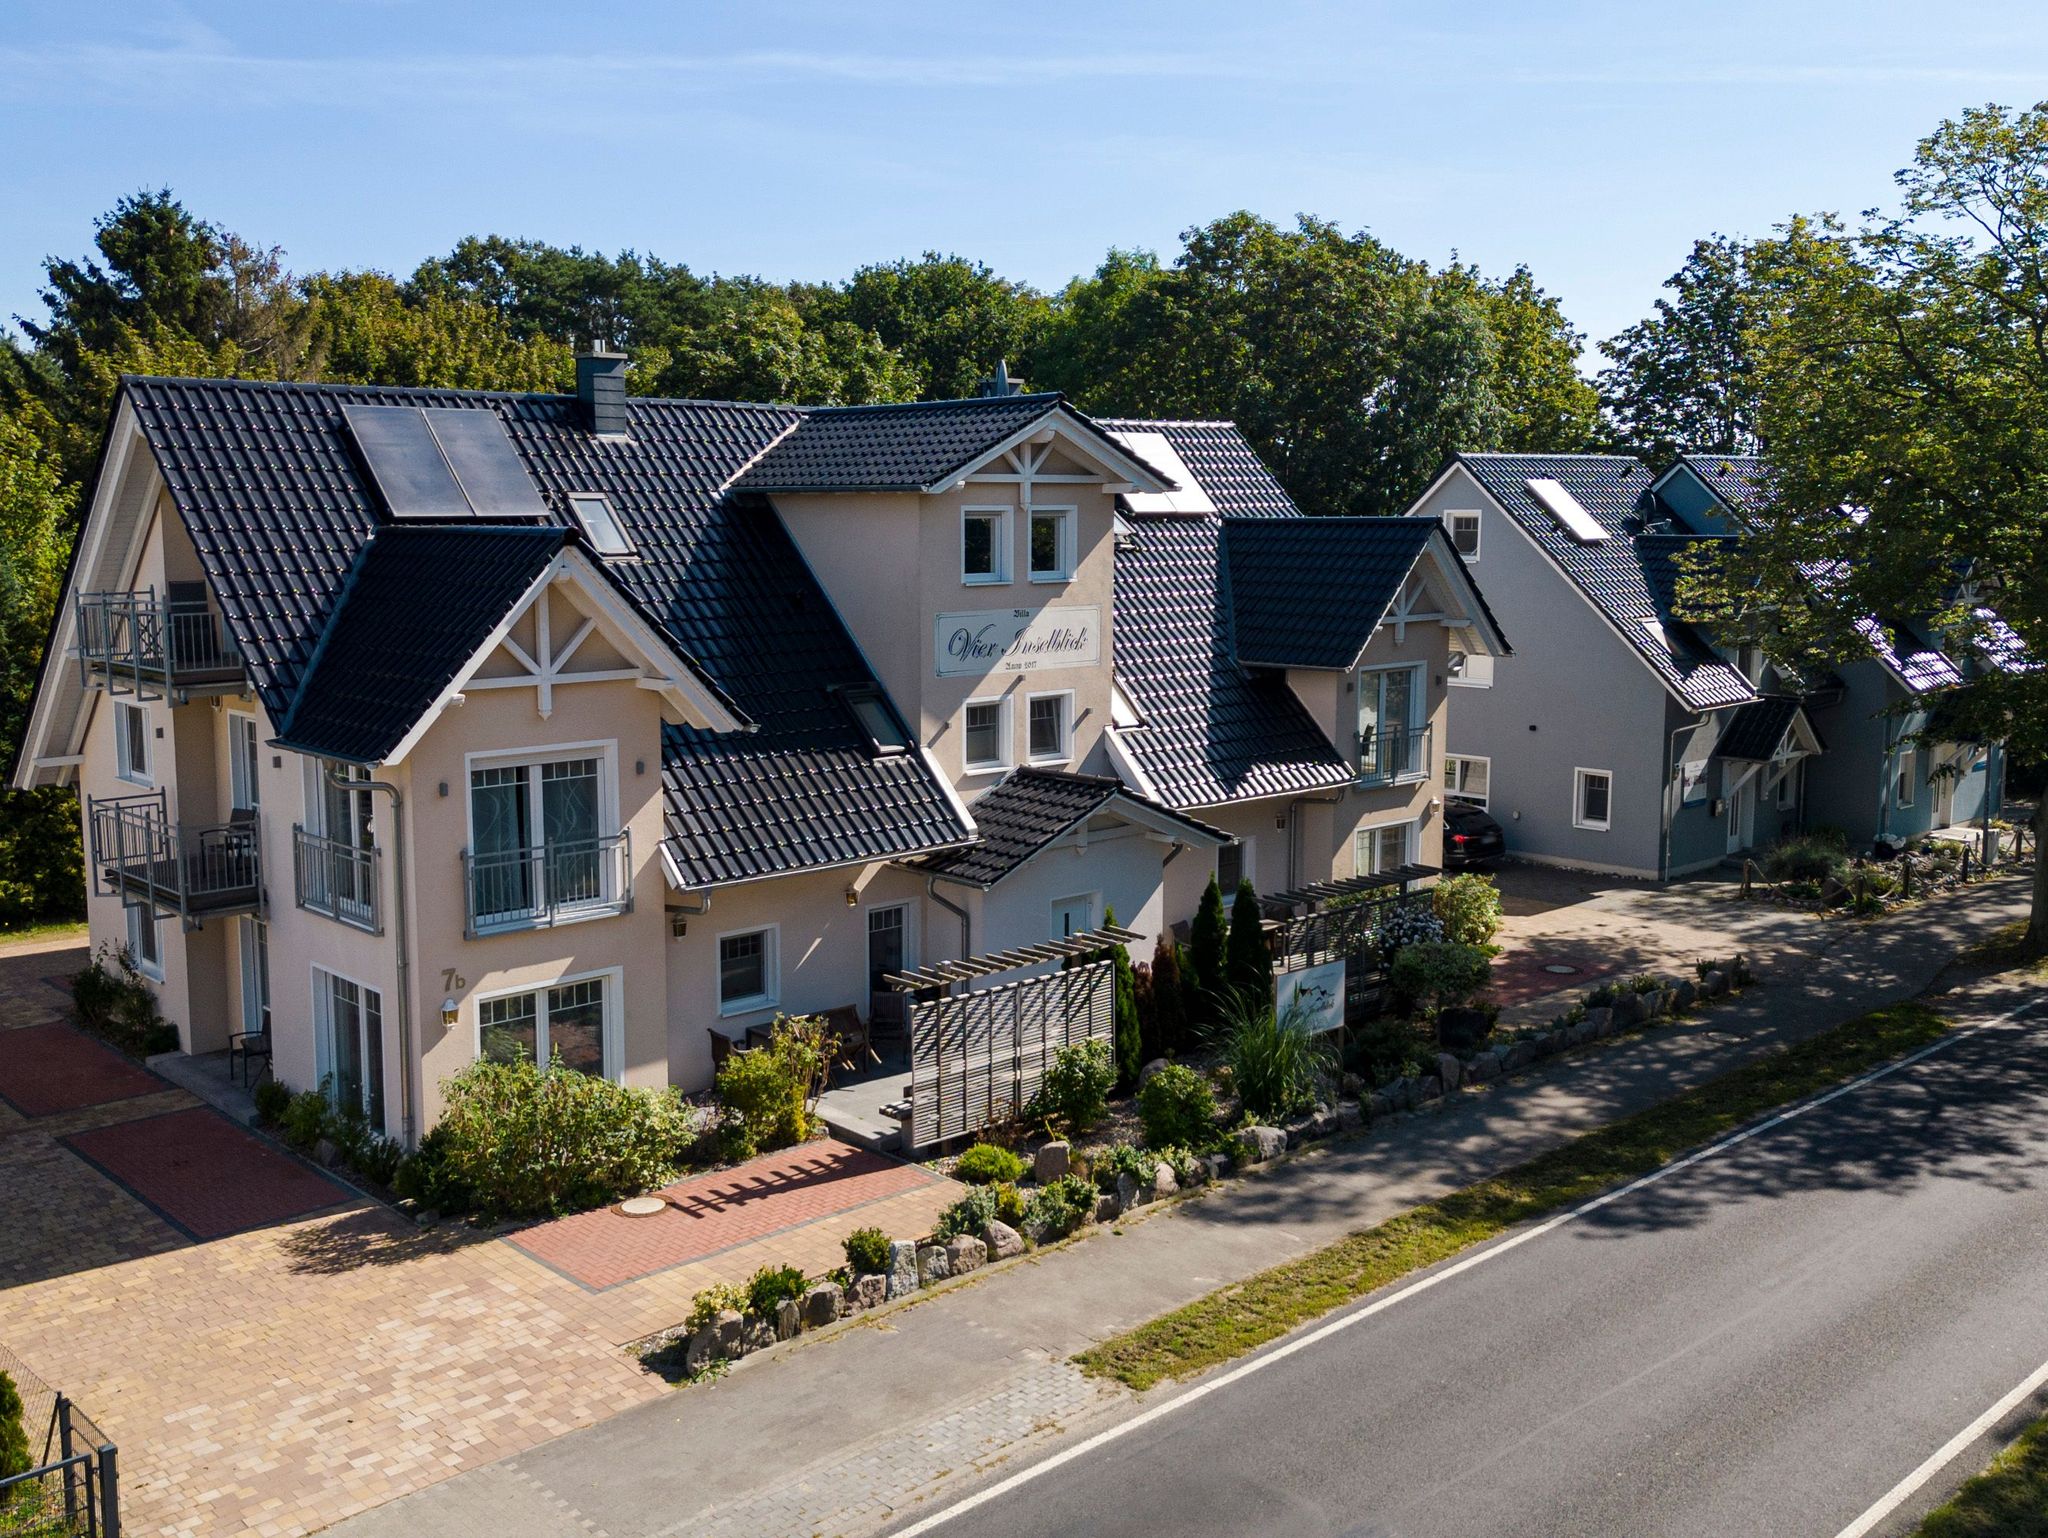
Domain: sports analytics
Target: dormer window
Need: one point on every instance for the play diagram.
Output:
(885, 733)
(600, 525)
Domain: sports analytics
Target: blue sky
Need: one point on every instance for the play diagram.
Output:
(1591, 141)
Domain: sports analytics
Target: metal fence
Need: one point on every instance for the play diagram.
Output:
(74, 1487)
(977, 1058)
(1351, 929)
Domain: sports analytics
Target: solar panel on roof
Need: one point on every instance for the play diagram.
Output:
(405, 461)
(485, 462)
(1158, 452)
(1565, 508)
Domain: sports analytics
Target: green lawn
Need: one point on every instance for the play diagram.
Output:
(2007, 1500)
(63, 929)
(1236, 1319)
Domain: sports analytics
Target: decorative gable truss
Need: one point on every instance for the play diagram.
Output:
(1056, 451)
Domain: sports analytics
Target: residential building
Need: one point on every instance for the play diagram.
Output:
(417, 725)
(1622, 738)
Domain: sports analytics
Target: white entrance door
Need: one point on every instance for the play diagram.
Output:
(242, 762)
(1742, 816)
(254, 944)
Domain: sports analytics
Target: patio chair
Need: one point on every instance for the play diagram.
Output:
(248, 1045)
(722, 1047)
(856, 1044)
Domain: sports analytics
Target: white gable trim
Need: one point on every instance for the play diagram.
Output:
(1126, 473)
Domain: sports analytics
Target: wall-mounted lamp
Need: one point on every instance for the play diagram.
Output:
(444, 790)
(450, 1011)
(853, 897)
(678, 926)
(639, 766)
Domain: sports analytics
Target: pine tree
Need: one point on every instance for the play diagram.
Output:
(14, 1455)
(1169, 1001)
(1130, 1046)
(1206, 977)
(1250, 959)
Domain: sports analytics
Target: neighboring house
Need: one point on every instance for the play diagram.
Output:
(1620, 738)
(414, 725)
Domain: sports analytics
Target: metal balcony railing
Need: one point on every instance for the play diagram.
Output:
(548, 883)
(1394, 757)
(338, 879)
(193, 872)
(155, 646)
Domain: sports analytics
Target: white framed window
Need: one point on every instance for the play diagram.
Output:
(1392, 705)
(1463, 524)
(1049, 727)
(146, 943)
(749, 974)
(242, 762)
(1383, 848)
(985, 736)
(543, 835)
(984, 545)
(1074, 915)
(593, 513)
(131, 743)
(1467, 778)
(1052, 544)
(1234, 866)
(1909, 765)
(1593, 799)
(576, 1018)
(348, 1019)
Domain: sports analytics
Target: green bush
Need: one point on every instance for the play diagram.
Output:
(1168, 1023)
(1184, 1162)
(1388, 1047)
(1469, 907)
(769, 1093)
(1441, 974)
(1205, 976)
(714, 1300)
(42, 874)
(1107, 1164)
(1810, 857)
(1009, 1203)
(527, 1141)
(1056, 1210)
(771, 1286)
(271, 1099)
(1276, 1066)
(377, 1158)
(1075, 1089)
(304, 1121)
(115, 1003)
(1248, 957)
(14, 1453)
(985, 1164)
(867, 1251)
(425, 1176)
(969, 1215)
(1177, 1106)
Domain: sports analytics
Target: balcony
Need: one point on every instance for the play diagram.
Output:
(548, 884)
(339, 880)
(1399, 756)
(193, 873)
(174, 646)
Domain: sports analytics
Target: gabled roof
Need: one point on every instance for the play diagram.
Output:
(278, 511)
(1744, 483)
(1617, 573)
(916, 446)
(1213, 732)
(1230, 470)
(413, 610)
(1033, 807)
(1755, 730)
(1909, 658)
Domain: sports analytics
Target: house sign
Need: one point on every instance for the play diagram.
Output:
(1016, 640)
(1318, 992)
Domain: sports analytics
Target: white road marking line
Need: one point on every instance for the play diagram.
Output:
(1896, 1497)
(1280, 1353)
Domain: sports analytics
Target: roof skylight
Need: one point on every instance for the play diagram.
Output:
(1158, 452)
(600, 525)
(1566, 509)
(872, 711)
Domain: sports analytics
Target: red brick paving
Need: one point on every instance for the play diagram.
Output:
(45, 1069)
(710, 1213)
(205, 1174)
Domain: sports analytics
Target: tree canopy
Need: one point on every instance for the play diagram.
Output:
(1684, 378)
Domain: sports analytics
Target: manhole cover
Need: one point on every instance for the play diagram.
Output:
(1559, 969)
(641, 1206)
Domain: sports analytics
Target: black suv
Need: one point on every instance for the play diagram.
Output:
(1472, 840)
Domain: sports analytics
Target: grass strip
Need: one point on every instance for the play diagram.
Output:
(2009, 1499)
(1239, 1318)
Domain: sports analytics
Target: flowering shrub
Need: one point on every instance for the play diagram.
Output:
(770, 1093)
(1410, 923)
(1468, 907)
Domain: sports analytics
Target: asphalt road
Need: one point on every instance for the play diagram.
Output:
(1762, 1343)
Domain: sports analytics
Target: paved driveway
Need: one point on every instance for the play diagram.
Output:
(274, 1352)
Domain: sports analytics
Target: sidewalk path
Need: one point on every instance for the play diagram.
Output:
(847, 1433)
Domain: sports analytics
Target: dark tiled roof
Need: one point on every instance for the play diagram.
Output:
(1921, 665)
(415, 607)
(1032, 808)
(1308, 592)
(1743, 481)
(1213, 732)
(1616, 573)
(278, 511)
(1754, 730)
(899, 447)
(1216, 454)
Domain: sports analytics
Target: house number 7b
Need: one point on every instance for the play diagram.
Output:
(453, 981)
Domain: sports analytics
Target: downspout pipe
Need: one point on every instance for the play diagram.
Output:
(931, 887)
(407, 1118)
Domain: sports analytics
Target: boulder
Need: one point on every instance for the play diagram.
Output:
(1258, 1144)
(1198, 1174)
(1449, 1071)
(325, 1153)
(1002, 1240)
(1601, 1020)
(1106, 1208)
(1352, 1087)
(731, 1330)
(1349, 1116)
(1322, 1121)
(1129, 1193)
(1145, 1073)
(822, 1304)
(1521, 1055)
(1481, 1068)
(1053, 1161)
(1630, 1009)
(933, 1265)
(1380, 1106)
(788, 1319)
(1684, 996)
(1430, 1090)
(872, 1290)
(759, 1335)
(965, 1253)
(1164, 1182)
(1715, 983)
(1218, 1165)
(902, 1279)
(702, 1350)
(1299, 1130)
